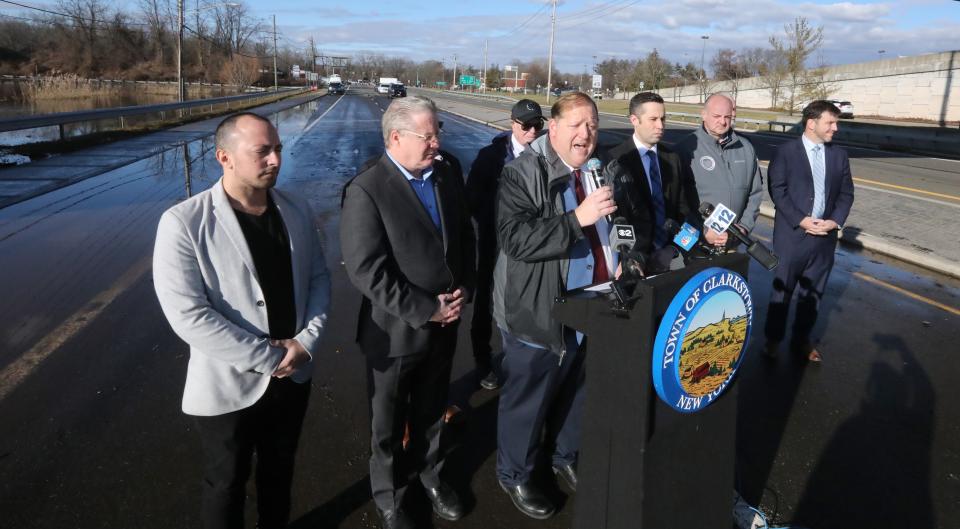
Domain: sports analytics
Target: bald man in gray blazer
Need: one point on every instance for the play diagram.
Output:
(241, 277)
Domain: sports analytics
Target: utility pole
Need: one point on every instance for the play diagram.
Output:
(180, 51)
(275, 89)
(553, 29)
(313, 54)
(199, 38)
(454, 70)
(703, 74)
(483, 81)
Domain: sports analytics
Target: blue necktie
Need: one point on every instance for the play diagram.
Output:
(819, 177)
(659, 209)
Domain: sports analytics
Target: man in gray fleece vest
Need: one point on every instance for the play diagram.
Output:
(724, 165)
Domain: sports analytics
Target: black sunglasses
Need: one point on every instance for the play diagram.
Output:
(536, 125)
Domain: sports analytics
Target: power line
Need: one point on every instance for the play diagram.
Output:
(191, 30)
(67, 15)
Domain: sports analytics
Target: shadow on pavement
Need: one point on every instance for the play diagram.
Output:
(875, 470)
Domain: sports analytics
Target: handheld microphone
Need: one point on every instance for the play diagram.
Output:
(722, 217)
(594, 169)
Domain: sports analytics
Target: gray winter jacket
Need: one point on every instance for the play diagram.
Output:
(728, 175)
(535, 236)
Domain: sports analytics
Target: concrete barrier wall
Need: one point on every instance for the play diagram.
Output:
(921, 87)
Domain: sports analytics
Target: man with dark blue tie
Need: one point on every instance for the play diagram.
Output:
(812, 189)
(651, 184)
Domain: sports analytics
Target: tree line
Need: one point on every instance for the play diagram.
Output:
(225, 43)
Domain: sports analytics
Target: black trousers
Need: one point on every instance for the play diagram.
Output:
(481, 324)
(408, 388)
(805, 268)
(271, 429)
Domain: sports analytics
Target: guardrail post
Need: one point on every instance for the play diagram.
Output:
(121, 122)
(60, 128)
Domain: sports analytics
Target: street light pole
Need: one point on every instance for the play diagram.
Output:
(703, 74)
(553, 29)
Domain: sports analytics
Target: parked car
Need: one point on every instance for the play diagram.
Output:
(336, 89)
(598, 94)
(398, 90)
(556, 91)
(846, 108)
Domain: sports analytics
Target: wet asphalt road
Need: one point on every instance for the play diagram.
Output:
(91, 375)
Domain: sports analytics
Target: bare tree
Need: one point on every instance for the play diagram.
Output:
(773, 71)
(234, 27)
(816, 85)
(87, 17)
(729, 66)
(799, 42)
(155, 16)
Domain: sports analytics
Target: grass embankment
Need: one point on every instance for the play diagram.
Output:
(43, 149)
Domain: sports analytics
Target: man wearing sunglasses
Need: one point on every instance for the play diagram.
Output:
(526, 121)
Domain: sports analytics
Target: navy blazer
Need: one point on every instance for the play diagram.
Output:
(791, 188)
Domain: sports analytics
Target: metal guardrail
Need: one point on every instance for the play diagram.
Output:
(60, 119)
(490, 97)
(779, 126)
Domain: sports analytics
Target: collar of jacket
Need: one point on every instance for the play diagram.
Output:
(732, 138)
(557, 171)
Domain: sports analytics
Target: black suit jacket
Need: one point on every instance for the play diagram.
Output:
(398, 259)
(632, 190)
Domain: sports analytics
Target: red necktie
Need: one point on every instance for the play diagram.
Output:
(600, 274)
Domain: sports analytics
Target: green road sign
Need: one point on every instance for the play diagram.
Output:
(466, 80)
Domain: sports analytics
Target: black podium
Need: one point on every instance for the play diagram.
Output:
(642, 464)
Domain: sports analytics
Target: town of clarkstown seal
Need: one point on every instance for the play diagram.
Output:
(701, 339)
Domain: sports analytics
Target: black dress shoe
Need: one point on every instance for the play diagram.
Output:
(567, 474)
(490, 381)
(394, 519)
(445, 502)
(529, 500)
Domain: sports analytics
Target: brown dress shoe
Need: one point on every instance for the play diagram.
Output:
(453, 415)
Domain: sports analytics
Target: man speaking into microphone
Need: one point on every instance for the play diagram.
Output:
(552, 238)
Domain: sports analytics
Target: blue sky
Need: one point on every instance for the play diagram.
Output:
(855, 31)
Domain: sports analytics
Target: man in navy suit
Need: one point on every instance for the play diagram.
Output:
(811, 186)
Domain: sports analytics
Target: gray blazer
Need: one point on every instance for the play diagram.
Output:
(208, 289)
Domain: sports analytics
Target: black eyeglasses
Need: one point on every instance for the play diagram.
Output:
(535, 125)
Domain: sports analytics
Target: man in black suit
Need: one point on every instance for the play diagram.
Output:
(526, 122)
(408, 246)
(651, 184)
(812, 189)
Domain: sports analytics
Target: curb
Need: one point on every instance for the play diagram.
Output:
(854, 238)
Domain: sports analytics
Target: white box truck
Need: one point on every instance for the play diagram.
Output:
(383, 87)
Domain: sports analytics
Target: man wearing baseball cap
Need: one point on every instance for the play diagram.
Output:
(526, 122)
